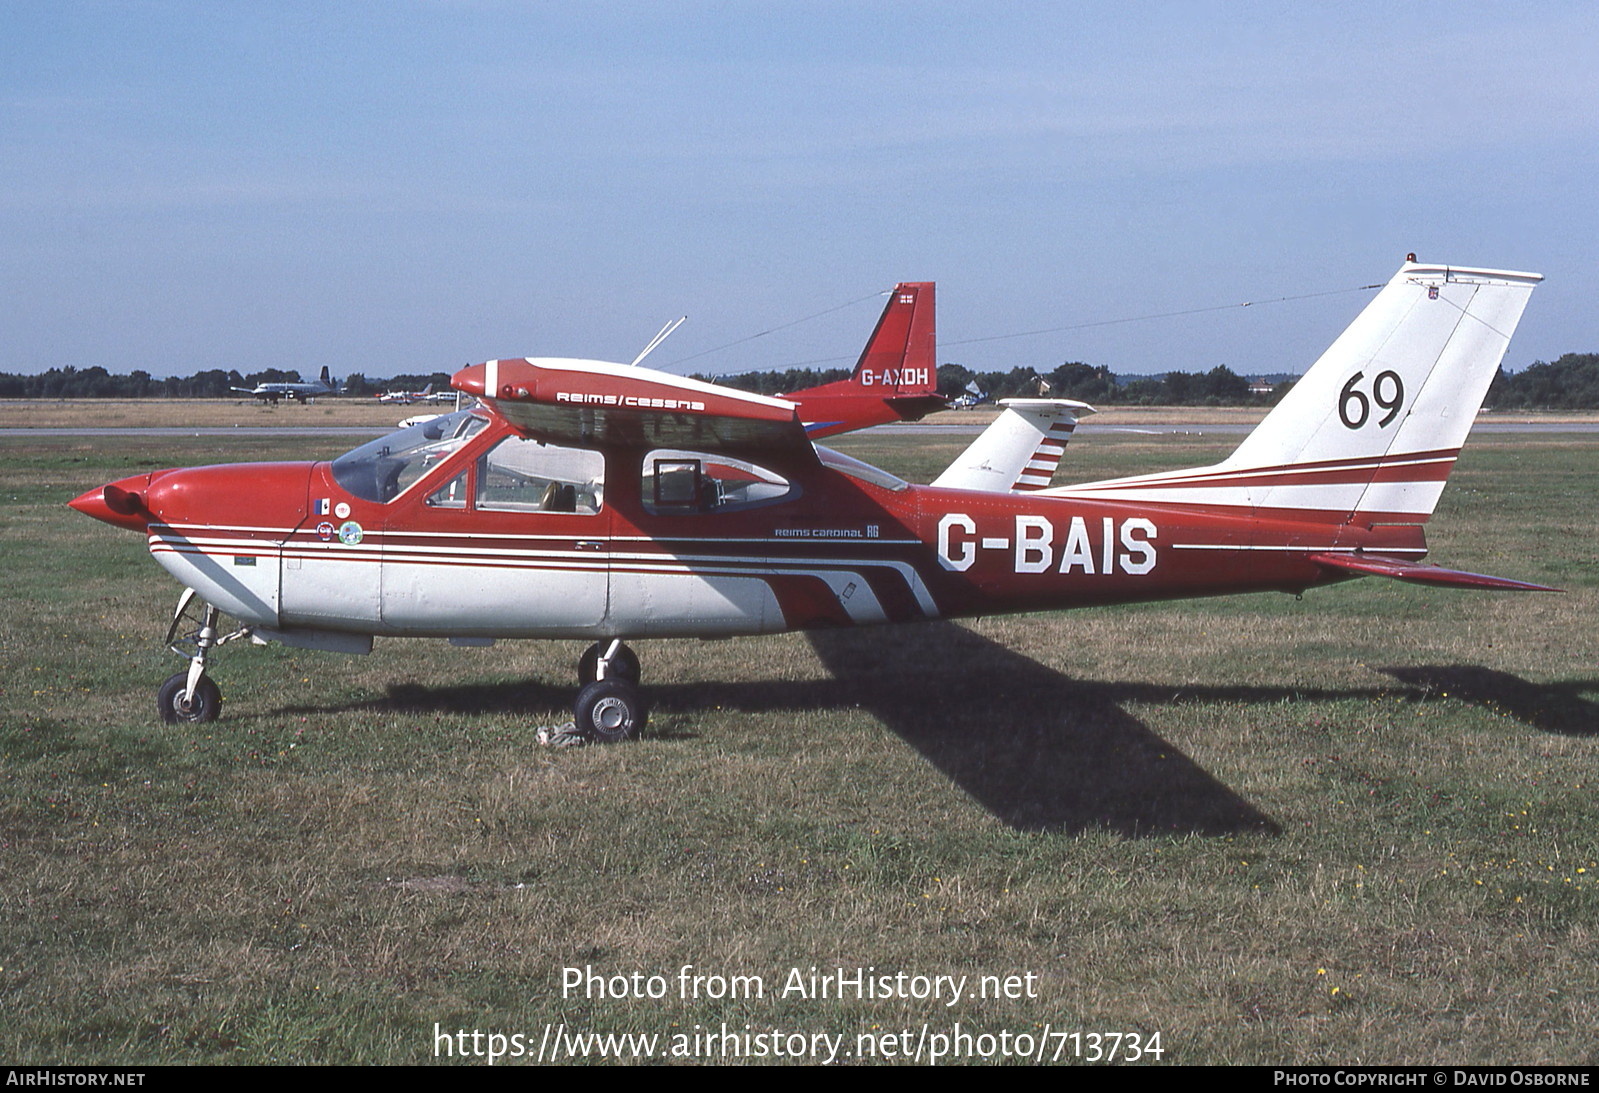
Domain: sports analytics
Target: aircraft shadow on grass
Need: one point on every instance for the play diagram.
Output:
(1552, 707)
(1037, 749)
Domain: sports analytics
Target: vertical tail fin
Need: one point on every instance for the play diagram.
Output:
(1372, 431)
(896, 377)
(1020, 450)
(900, 357)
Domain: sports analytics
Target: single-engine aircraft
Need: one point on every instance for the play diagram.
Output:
(585, 499)
(294, 392)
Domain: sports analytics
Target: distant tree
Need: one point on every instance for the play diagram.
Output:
(268, 375)
(1084, 382)
(1145, 391)
(953, 378)
(1221, 386)
(777, 383)
(212, 383)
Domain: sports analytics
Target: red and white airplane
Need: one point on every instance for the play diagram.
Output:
(586, 499)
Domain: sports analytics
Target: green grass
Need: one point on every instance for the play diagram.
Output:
(1354, 828)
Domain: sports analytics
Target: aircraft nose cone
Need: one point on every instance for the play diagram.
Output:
(121, 503)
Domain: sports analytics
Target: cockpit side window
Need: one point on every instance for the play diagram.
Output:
(453, 494)
(677, 483)
(522, 475)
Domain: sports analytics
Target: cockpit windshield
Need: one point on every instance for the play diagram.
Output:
(382, 469)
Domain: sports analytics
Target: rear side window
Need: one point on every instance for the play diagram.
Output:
(680, 483)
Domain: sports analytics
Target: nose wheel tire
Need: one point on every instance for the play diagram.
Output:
(624, 665)
(609, 711)
(203, 705)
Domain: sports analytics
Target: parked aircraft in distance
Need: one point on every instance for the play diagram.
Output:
(585, 499)
(405, 398)
(971, 396)
(294, 392)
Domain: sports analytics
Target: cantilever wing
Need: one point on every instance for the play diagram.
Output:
(568, 401)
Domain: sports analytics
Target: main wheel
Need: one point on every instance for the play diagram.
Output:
(624, 665)
(203, 705)
(609, 711)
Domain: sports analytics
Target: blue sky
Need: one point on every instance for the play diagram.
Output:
(413, 186)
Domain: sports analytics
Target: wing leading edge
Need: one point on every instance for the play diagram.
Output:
(567, 401)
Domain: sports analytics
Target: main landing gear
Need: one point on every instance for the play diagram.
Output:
(191, 695)
(609, 708)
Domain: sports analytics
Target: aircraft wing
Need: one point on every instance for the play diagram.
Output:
(568, 401)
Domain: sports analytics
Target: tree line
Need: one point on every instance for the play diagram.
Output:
(1569, 383)
(96, 382)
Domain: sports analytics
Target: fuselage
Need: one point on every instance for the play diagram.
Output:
(472, 530)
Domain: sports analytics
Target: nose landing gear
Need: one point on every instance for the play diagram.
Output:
(191, 696)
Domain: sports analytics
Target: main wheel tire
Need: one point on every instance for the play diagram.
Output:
(609, 711)
(203, 705)
(623, 666)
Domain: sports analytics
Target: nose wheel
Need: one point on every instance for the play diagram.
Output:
(609, 707)
(176, 702)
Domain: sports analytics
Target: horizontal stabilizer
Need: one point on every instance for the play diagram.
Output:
(1020, 449)
(1401, 569)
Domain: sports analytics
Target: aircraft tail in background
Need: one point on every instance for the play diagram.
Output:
(896, 377)
(1020, 449)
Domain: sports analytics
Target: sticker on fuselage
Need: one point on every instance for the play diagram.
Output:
(342, 510)
(325, 531)
(350, 533)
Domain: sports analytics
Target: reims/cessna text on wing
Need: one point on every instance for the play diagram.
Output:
(602, 501)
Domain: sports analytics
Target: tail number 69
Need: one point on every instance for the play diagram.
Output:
(1387, 391)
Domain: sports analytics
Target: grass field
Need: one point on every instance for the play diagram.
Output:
(1359, 827)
